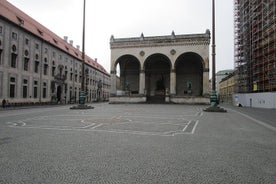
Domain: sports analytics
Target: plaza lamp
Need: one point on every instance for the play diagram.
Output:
(82, 95)
(213, 95)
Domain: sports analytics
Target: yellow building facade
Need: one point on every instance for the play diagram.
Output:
(227, 88)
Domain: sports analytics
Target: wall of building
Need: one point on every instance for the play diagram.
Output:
(163, 58)
(227, 89)
(257, 100)
(31, 86)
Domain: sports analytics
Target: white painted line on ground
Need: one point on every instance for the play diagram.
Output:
(186, 126)
(117, 131)
(194, 128)
(91, 125)
(97, 126)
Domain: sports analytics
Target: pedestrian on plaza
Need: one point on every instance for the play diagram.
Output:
(4, 103)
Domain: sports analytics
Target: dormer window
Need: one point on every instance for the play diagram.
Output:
(40, 32)
(21, 21)
(56, 42)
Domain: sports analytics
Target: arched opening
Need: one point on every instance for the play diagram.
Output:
(157, 74)
(189, 75)
(127, 79)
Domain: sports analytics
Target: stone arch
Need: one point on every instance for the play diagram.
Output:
(157, 69)
(128, 74)
(189, 69)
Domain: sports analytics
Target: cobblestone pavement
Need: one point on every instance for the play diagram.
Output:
(134, 144)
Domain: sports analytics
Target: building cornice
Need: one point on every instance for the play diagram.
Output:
(161, 41)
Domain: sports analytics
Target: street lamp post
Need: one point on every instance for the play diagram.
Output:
(213, 95)
(82, 95)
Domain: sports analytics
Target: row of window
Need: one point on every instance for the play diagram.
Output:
(26, 93)
(12, 88)
(26, 64)
(67, 68)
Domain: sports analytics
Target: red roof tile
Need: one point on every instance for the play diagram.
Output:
(13, 14)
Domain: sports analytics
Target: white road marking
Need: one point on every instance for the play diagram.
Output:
(186, 126)
(95, 126)
(88, 126)
(193, 131)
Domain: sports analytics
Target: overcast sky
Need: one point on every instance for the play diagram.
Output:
(129, 18)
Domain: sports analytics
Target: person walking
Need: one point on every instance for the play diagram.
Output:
(4, 103)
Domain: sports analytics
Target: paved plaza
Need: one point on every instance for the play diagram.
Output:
(141, 143)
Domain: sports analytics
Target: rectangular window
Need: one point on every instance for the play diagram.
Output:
(25, 88)
(53, 71)
(71, 76)
(36, 67)
(12, 87)
(44, 95)
(14, 35)
(26, 41)
(66, 73)
(35, 88)
(45, 69)
(26, 64)
(1, 29)
(13, 60)
(37, 46)
(0, 56)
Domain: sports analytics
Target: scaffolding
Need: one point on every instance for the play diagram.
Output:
(255, 45)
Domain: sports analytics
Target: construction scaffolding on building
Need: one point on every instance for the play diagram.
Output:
(255, 45)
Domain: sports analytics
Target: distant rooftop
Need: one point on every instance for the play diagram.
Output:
(224, 72)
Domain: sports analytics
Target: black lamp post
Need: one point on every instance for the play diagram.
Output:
(213, 95)
(82, 95)
(82, 92)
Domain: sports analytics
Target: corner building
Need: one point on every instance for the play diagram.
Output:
(37, 66)
(173, 68)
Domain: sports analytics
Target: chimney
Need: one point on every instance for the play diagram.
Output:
(65, 38)
(78, 47)
(71, 42)
(96, 60)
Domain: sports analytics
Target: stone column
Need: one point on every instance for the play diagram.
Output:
(173, 82)
(206, 86)
(142, 83)
(113, 83)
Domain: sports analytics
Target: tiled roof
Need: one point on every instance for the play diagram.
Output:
(13, 14)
